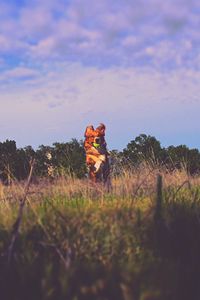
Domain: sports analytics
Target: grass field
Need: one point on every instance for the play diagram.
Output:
(141, 240)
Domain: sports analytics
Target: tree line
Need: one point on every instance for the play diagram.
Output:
(69, 158)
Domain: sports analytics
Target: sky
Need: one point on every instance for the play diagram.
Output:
(132, 64)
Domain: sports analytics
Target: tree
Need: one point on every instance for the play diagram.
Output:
(42, 161)
(22, 163)
(144, 148)
(182, 157)
(70, 158)
(8, 154)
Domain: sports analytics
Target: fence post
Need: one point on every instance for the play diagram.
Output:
(159, 198)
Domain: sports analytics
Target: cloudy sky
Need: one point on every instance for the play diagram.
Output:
(132, 64)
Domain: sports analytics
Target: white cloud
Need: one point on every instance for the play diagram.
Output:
(102, 31)
(35, 22)
(19, 72)
(71, 96)
(66, 62)
(4, 43)
(130, 41)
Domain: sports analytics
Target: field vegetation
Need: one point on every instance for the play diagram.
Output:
(76, 240)
(69, 158)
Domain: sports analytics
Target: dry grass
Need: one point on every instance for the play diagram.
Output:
(134, 187)
(131, 183)
(70, 224)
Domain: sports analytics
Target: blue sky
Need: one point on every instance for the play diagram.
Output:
(132, 64)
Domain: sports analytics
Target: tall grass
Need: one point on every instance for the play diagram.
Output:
(77, 241)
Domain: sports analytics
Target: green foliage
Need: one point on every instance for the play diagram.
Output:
(66, 159)
(182, 156)
(148, 149)
(69, 158)
(8, 154)
(144, 148)
(42, 161)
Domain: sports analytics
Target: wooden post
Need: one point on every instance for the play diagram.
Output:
(159, 198)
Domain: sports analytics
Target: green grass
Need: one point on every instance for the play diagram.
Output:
(78, 242)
